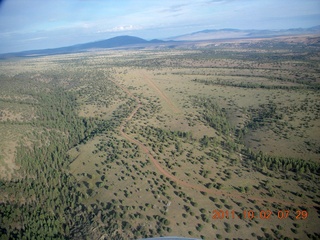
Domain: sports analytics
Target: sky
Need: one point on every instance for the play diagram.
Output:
(40, 24)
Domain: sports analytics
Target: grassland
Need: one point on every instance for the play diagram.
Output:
(160, 139)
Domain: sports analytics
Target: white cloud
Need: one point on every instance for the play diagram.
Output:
(121, 28)
(125, 28)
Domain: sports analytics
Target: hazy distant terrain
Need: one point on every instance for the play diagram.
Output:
(127, 139)
(229, 33)
(189, 40)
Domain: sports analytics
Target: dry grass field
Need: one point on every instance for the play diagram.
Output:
(233, 128)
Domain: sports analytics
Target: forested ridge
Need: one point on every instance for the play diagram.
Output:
(44, 202)
(45, 197)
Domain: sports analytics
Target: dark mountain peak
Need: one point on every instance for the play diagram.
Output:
(126, 39)
(113, 42)
(156, 41)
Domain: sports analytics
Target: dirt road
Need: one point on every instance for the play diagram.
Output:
(213, 192)
(160, 92)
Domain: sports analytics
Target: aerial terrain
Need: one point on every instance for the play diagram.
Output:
(212, 139)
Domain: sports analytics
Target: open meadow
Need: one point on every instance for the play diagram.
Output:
(220, 141)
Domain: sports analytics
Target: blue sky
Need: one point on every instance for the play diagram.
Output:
(37, 24)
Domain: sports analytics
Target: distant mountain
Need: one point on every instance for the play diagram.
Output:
(116, 42)
(112, 42)
(187, 40)
(230, 33)
(156, 41)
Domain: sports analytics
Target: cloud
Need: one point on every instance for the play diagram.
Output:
(35, 39)
(121, 28)
(173, 8)
(125, 28)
